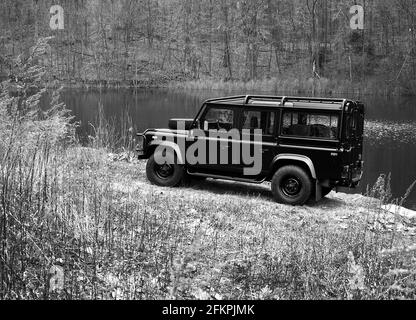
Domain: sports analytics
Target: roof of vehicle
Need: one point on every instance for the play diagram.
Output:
(283, 102)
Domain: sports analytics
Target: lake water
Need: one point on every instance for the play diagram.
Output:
(390, 139)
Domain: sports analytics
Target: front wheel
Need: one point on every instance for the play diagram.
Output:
(291, 185)
(164, 175)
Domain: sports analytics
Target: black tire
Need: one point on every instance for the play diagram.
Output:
(292, 185)
(164, 175)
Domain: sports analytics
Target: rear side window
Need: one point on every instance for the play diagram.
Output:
(259, 120)
(310, 125)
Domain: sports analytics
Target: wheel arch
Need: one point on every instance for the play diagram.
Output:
(293, 159)
(167, 145)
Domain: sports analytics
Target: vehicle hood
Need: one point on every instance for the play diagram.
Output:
(166, 131)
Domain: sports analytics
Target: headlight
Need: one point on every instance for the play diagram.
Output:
(140, 143)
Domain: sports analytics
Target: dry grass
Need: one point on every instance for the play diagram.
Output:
(291, 84)
(114, 236)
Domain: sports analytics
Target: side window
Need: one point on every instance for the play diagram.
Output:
(252, 120)
(219, 118)
(297, 124)
(271, 122)
(261, 120)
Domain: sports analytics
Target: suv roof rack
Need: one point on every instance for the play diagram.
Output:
(281, 100)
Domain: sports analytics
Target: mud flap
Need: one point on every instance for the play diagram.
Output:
(318, 191)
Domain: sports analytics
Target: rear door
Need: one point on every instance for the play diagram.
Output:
(314, 134)
(354, 135)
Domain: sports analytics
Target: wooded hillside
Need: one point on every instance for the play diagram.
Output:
(127, 40)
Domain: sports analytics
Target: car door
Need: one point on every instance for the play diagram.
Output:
(220, 135)
(259, 142)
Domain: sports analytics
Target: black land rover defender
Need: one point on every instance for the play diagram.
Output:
(306, 146)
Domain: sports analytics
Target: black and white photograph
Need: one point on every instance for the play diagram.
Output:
(229, 152)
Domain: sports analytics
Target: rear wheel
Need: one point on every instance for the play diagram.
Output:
(291, 185)
(164, 175)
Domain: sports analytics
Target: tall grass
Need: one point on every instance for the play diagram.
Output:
(290, 84)
(31, 145)
(70, 209)
(114, 135)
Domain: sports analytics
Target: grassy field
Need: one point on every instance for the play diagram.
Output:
(81, 223)
(118, 237)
